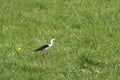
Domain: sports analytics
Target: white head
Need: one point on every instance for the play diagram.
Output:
(52, 40)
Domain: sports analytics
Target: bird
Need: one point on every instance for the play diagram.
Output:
(44, 48)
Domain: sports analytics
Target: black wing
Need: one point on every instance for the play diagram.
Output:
(42, 47)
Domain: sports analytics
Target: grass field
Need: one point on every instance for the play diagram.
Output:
(87, 34)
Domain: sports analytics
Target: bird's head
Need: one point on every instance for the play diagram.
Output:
(52, 40)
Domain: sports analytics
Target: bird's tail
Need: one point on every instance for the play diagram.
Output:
(37, 49)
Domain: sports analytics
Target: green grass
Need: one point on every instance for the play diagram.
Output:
(87, 34)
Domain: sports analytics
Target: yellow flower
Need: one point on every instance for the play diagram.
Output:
(19, 49)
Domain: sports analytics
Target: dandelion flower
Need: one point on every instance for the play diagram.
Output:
(19, 49)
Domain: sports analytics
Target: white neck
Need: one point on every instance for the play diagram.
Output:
(51, 43)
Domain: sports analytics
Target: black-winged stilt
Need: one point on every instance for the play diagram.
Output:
(44, 48)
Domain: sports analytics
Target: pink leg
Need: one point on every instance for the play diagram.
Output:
(46, 58)
(41, 60)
